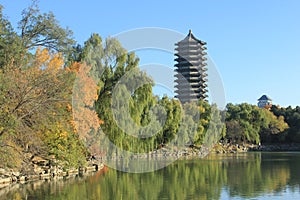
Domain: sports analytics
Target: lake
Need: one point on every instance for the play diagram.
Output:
(251, 175)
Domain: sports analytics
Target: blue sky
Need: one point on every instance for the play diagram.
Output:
(255, 45)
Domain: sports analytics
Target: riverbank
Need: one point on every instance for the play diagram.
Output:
(42, 170)
(237, 148)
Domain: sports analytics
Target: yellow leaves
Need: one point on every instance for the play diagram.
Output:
(73, 125)
(41, 56)
(56, 62)
(281, 118)
(6, 110)
(204, 121)
(201, 109)
(58, 132)
(48, 61)
(69, 108)
(85, 93)
(63, 134)
(85, 89)
(60, 147)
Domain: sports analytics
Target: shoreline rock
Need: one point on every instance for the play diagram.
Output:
(9, 177)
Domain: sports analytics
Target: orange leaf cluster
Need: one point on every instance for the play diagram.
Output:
(85, 93)
(48, 61)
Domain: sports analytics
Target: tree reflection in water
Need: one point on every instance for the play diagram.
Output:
(240, 175)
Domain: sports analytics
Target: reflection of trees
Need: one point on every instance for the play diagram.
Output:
(182, 180)
(256, 176)
(246, 175)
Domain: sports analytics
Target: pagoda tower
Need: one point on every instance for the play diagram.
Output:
(190, 72)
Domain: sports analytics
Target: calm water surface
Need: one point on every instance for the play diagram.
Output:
(237, 176)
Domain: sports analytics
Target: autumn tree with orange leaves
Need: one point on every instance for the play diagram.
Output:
(49, 110)
(33, 98)
(85, 93)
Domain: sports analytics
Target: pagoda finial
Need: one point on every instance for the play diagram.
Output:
(190, 31)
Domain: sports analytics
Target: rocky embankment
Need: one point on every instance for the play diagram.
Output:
(233, 148)
(41, 169)
(238, 148)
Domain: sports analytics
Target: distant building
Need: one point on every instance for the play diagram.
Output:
(191, 81)
(264, 102)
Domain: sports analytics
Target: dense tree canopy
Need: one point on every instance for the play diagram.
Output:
(292, 118)
(36, 92)
(248, 123)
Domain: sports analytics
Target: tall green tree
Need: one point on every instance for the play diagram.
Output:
(43, 30)
(10, 43)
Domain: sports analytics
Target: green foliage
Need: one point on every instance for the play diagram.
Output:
(36, 30)
(292, 117)
(43, 30)
(65, 146)
(135, 119)
(137, 114)
(201, 125)
(171, 126)
(10, 43)
(248, 123)
(216, 127)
